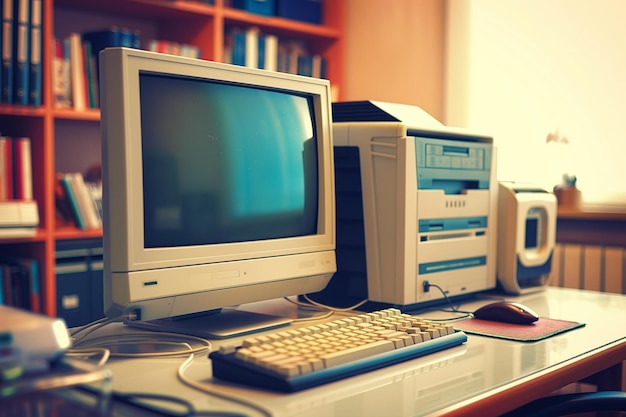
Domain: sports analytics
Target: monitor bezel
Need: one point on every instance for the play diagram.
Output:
(123, 233)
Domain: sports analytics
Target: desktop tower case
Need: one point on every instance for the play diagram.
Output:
(416, 208)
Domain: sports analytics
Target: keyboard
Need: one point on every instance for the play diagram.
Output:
(305, 357)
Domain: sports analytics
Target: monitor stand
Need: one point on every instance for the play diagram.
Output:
(216, 324)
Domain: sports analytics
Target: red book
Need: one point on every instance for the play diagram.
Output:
(6, 169)
(23, 169)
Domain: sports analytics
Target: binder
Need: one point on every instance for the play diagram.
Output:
(7, 51)
(35, 73)
(21, 52)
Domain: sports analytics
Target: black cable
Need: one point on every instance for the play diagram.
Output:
(453, 309)
(137, 399)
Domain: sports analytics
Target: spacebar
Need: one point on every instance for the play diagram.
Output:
(356, 353)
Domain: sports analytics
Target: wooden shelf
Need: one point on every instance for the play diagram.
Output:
(70, 114)
(67, 233)
(592, 225)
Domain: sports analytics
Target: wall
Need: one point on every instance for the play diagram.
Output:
(526, 70)
(395, 52)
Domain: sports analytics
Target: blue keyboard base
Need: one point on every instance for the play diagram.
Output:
(228, 368)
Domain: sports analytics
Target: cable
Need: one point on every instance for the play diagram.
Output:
(314, 318)
(134, 338)
(88, 352)
(453, 309)
(315, 305)
(140, 400)
(324, 315)
(208, 390)
(102, 344)
(98, 324)
(135, 399)
(335, 309)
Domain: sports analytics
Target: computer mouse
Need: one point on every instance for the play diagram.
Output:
(506, 312)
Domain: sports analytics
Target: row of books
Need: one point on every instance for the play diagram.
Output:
(16, 175)
(20, 283)
(75, 64)
(78, 202)
(19, 214)
(20, 40)
(252, 48)
(174, 48)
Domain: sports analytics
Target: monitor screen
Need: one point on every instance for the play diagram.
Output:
(218, 184)
(209, 177)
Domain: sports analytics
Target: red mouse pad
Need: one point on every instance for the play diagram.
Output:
(541, 329)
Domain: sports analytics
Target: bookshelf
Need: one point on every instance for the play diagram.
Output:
(55, 132)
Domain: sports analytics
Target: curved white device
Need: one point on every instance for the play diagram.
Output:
(526, 237)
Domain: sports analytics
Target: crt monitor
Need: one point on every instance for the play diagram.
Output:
(218, 186)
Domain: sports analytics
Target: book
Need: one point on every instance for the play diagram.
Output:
(23, 169)
(61, 74)
(238, 54)
(66, 182)
(29, 273)
(11, 290)
(318, 69)
(85, 203)
(110, 37)
(35, 284)
(304, 65)
(104, 38)
(36, 67)
(190, 51)
(77, 72)
(7, 51)
(18, 285)
(271, 53)
(6, 168)
(18, 218)
(95, 194)
(128, 38)
(91, 77)
(282, 64)
(252, 47)
(64, 212)
(21, 51)
(101, 39)
(227, 53)
(295, 52)
(2, 297)
(21, 283)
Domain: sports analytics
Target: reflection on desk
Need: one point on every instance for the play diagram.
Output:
(485, 376)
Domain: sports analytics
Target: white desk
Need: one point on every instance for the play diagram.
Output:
(486, 376)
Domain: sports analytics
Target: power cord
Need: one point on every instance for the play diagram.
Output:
(427, 285)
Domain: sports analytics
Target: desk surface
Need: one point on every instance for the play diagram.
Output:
(486, 376)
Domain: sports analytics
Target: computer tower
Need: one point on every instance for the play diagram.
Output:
(416, 208)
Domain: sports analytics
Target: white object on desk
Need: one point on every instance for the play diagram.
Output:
(31, 340)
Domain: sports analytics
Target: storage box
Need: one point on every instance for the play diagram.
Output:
(309, 11)
(264, 7)
(79, 278)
